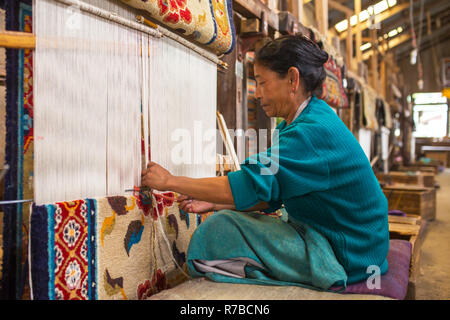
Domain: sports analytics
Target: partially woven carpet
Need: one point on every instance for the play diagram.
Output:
(108, 248)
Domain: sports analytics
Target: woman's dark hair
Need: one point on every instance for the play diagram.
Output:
(295, 51)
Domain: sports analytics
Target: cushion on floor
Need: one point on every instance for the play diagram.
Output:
(394, 283)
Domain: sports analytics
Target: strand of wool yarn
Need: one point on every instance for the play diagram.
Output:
(182, 109)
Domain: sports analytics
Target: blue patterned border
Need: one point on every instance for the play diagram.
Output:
(92, 248)
(231, 22)
(215, 23)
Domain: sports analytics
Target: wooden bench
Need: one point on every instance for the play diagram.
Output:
(412, 199)
(434, 168)
(412, 229)
(424, 179)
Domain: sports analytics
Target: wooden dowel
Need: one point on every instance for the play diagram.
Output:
(147, 22)
(374, 160)
(17, 40)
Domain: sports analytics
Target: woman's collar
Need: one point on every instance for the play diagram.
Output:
(300, 109)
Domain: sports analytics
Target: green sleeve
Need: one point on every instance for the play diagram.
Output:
(292, 167)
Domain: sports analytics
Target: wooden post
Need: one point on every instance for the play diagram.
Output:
(296, 8)
(358, 31)
(300, 11)
(321, 13)
(383, 77)
(228, 95)
(349, 45)
(374, 60)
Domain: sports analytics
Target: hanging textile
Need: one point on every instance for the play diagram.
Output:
(208, 22)
(369, 119)
(387, 115)
(332, 89)
(19, 152)
(108, 248)
(358, 109)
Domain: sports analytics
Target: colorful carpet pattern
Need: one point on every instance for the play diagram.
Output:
(112, 248)
(333, 91)
(207, 22)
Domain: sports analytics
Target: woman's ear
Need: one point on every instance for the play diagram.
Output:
(294, 79)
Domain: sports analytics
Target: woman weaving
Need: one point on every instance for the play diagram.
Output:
(334, 224)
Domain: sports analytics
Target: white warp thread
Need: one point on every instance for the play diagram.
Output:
(98, 87)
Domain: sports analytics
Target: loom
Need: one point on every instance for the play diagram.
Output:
(102, 88)
(113, 88)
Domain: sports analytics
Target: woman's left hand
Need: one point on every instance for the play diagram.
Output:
(156, 177)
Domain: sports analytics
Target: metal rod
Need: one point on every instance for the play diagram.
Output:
(15, 201)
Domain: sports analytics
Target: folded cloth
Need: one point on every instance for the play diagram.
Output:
(396, 213)
(267, 249)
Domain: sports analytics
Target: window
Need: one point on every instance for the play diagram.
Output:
(430, 113)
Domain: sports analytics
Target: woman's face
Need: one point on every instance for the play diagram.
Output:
(273, 91)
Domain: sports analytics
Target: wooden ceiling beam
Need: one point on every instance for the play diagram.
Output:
(255, 9)
(359, 27)
(389, 45)
(434, 9)
(337, 6)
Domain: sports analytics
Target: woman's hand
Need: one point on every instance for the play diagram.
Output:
(156, 177)
(187, 204)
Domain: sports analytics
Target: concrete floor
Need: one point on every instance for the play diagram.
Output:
(433, 283)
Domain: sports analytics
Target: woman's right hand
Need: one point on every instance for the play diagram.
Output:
(190, 205)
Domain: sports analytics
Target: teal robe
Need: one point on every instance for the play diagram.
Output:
(317, 169)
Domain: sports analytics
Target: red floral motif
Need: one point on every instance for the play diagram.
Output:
(186, 15)
(163, 8)
(144, 290)
(177, 10)
(172, 18)
(149, 288)
(163, 200)
(144, 206)
(167, 198)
